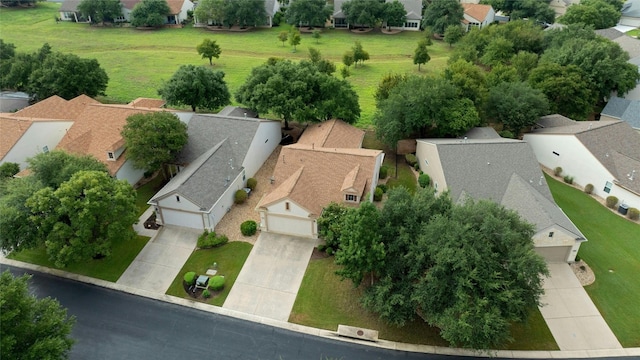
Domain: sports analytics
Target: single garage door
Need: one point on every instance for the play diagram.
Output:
(554, 253)
(290, 225)
(182, 218)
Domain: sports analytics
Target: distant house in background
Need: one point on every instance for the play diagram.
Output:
(271, 7)
(605, 154)
(69, 11)
(339, 19)
(622, 109)
(485, 166)
(414, 14)
(223, 151)
(477, 15)
(560, 6)
(326, 165)
(630, 13)
(177, 11)
(11, 101)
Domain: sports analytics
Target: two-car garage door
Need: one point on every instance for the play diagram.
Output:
(290, 225)
(182, 218)
(554, 253)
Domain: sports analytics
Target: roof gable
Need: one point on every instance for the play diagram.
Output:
(477, 11)
(332, 134)
(616, 107)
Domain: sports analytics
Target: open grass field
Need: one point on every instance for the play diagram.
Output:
(230, 259)
(109, 268)
(324, 302)
(137, 62)
(613, 252)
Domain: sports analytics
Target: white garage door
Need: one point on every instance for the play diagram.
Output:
(290, 226)
(182, 218)
(555, 253)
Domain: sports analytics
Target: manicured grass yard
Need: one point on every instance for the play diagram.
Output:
(324, 302)
(230, 258)
(613, 252)
(137, 62)
(146, 191)
(109, 268)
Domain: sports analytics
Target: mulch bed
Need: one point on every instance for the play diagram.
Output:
(197, 294)
(317, 254)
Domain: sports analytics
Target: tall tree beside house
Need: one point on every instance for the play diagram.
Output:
(197, 87)
(57, 166)
(597, 13)
(470, 81)
(516, 105)
(394, 14)
(153, 139)
(210, 10)
(308, 13)
(363, 12)
(538, 10)
(442, 13)
(32, 328)
(100, 11)
(245, 13)
(421, 54)
(209, 49)
(77, 222)
(150, 13)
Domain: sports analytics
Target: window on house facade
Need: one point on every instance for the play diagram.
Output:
(110, 155)
(550, 233)
(286, 206)
(607, 187)
(45, 149)
(351, 198)
(177, 198)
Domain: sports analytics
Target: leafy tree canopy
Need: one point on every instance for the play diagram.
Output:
(210, 10)
(100, 11)
(440, 14)
(598, 13)
(77, 220)
(245, 13)
(470, 81)
(32, 328)
(363, 12)
(453, 34)
(196, 86)
(421, 54)
(57, 166)
(209, 49)
(18, 230)
(308, 12)
(516, 105)
(538, 10)
(153, 139)
(394, 13)
(359, 54)
(150, 13)
(9, 169)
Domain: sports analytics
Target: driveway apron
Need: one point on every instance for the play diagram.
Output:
(270, 278)
(574, 321)
(160, 261)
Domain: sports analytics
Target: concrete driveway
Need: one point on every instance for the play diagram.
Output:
(160, 261)
(268, 283)
(574, 321)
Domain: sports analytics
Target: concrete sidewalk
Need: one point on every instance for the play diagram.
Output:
(574, 321)
(160, 261)
(268, 283)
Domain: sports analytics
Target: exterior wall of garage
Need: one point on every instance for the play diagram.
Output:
(130, 173)
(182, 218)
(266, 139)
(287, 217)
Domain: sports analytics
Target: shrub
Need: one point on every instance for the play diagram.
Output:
(557, 171)
(216, 283)
(384, 171)
(211, 240)
(248, 228)
(411, 159)
(424, 180)
(240, 197)
(588, 189)
(9, 169)
(251, 183)
(568, 179)
(190, 277)
(416, 166)
(383, 187)
(507, 134)
(633, 214)
(206, 294)
(577, 258)
(611, 202)
(219, 240)
(377, 194)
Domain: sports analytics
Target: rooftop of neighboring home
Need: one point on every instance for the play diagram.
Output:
(623, 109)
(55, 107)
(148, 103)
(610, 33)
(326, 162)
(12, 128)
(337, 8)
(412, 7)
(71, 5)
(477, 11)
(613, 143)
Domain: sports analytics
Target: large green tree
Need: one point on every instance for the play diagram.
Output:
(245, 13)
(538, 10)
(209, 49)
(308, 12)
(100, 11)
(470, 81)
(442, 13)
(394, 13)
(566, 87)
(31, 328)
(453, 34)
(421, 54)
(298, 91)
(150, 13)
(18, 230)
(363, 12)
(196, 86)
(153, 139)
(597, 13)
(57, 166)
(360, 55)
(516, 105)
(210, 10)
(77, 220)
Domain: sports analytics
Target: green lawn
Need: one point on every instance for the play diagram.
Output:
(634, 32)
(109, 268)
(137, 62)
(146, 191)
(324, 301)
(613, 252)
(230, 259)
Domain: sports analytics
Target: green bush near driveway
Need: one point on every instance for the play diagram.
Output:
(248, 228)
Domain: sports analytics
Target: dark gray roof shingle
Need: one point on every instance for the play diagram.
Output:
(616, 107)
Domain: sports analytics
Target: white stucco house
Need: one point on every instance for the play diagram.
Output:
(605, 154)
(483, 165)
(414, 15)
(223, 151)
(477, 15)
(326, 165)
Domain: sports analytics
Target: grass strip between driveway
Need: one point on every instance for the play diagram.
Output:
(613, 253)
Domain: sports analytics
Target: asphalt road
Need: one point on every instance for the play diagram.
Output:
(115, 325)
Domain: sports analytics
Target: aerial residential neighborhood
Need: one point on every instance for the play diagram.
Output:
(446, 176)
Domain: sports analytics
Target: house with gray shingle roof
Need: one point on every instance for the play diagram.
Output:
(414, 14)
(605, 154)
(223, 151)
(622, 109)
(482, 165)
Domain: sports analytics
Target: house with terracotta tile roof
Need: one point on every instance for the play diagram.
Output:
(477, 15)
(223, 151)
(326, 165)
(603, 153)
(482, 165)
